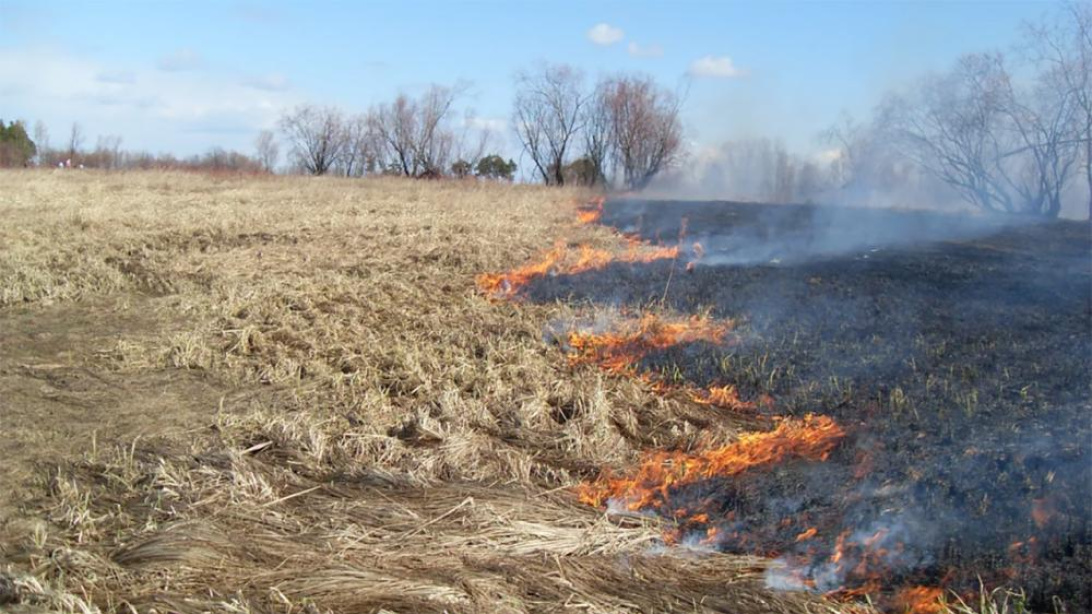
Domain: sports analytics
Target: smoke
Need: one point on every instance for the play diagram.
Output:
(786, 234)
(955, 350)
(896, 544)
(764, 171)
(868, 171)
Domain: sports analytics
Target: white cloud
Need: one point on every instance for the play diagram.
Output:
(644, 51)
(180, 112)
(255, 13)
(117, 77)
(180, 60)
(605, 34)
(273, 82)
(718, 67)
(493, 124)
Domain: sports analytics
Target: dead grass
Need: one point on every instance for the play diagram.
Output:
(414, 444)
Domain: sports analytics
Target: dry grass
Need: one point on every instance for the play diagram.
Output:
(402, 443)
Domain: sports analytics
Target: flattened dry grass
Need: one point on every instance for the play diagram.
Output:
(413, 445)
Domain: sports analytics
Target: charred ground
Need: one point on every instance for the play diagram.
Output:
(956, 351)
(283, 394)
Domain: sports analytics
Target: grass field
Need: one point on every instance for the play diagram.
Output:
(284, 394)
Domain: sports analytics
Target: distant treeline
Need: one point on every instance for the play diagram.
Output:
(1002, 133)
(19, 150)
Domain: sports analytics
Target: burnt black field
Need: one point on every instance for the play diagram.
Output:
(955, 350)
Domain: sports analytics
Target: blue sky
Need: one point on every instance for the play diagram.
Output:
(184, 76)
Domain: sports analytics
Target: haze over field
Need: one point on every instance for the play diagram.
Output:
(182, 77)
(465, 307)
(761, 87)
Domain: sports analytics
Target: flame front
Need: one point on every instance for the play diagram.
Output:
(620, 350)
(855, 563)
(920, 600)
(726, 397)
(812, 438)
(559, 261)
(591, 212)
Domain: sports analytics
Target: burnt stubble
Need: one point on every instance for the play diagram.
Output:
(955, 350)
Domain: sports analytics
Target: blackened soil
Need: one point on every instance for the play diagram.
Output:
(957, 351)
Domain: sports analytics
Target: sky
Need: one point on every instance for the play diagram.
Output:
(182, 77)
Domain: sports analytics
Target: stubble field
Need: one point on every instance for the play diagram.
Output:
(302, 395)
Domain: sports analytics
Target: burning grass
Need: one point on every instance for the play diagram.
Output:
(369, 434)
(661, 472)
(386, 439)
(950, 468)
(561, 260)
(620, 349)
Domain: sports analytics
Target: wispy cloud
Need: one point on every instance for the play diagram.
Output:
(16, 18)
(152, 109)
(273, 82)
(117, 77)
(605, 34)
(644, 51)
(375, 65)
(255, 13)
(494, 124)
(180, 60)
(716, 67)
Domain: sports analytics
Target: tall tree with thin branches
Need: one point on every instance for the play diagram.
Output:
(316, 135)
(645, 131)
(266, 150)
(548, 115)
(414, 133)
(1061, 47)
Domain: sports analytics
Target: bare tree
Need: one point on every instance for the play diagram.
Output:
(548, 115)
(358, 147)
(866, 164)
(1002, 149)
(435, 140)
(108, 151)
(41, 141)
(472, 142)
(75, 140)
(393, 124)
(414, 135)
(317, 137)
(852, 142)
(1062, 49)
(1044, 121)
(644, 128)
(266, 150)
(599, 132)
(953, 127)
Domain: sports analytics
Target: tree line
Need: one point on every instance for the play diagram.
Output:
(1006, 133)
(18, 149)
(623, 132)
(409, 136)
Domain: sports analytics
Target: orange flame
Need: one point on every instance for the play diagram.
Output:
(591, 212)
(699, 253)
(557, 260)
(725, 397)
(806, 535)
(619, 351)
(920, 600)
(812, 438)
(1042, 510)
(509, 283)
